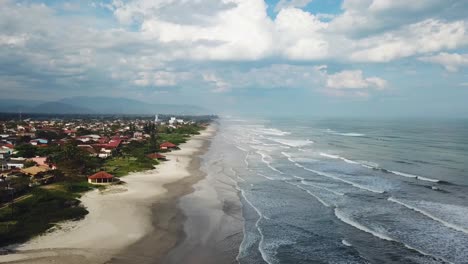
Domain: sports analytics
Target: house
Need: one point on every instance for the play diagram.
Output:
(113, 144)
(39, 141)
(102, 178)
(16, 163)
(3, 165)
(89, 149)
(138, 134)
(156, 156)
(167, 145)
(69, 132)
(105, 153)
(4, 154)
(39, 160)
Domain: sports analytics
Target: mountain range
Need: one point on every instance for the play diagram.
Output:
(96, 105)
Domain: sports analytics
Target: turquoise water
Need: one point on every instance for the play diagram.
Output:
(349, 191)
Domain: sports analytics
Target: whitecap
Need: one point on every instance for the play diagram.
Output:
(264, 255)
(343, 180)
(414, 176)
(346, 243)
(346, 219)
(292, 142)
(433, 217)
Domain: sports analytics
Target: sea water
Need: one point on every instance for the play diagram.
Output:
(349, 191)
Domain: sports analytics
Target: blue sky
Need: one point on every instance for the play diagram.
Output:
(308, 57)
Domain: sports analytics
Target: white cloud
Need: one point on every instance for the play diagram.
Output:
(161, 78)
(219, 84)
(165, 42)
(363, 17)
(451, 61)
(423, 37)
(300, 35)
(354, 80)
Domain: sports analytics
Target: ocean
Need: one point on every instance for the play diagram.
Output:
(348, 191)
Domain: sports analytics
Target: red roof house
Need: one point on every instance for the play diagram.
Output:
(101, 177)
(167, 145)
(156, 156)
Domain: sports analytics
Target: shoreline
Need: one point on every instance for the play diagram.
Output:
(124, 216)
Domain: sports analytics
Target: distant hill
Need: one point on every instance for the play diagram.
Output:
(58, 107)
(97, 105)
(111, 105)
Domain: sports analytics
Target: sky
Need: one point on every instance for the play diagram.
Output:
(257, 57)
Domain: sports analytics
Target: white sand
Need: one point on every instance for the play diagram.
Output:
(118, 216)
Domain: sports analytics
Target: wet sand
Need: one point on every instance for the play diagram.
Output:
(145, 220)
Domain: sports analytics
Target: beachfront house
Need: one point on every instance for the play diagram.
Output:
(102, 178)
(167, 145)
(156, 156)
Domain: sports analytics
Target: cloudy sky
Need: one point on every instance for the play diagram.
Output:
(312, 57)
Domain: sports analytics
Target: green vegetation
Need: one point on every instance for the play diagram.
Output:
(74, 162)
(38, 212)
(26, 150)
(121, 166)
(39, 208)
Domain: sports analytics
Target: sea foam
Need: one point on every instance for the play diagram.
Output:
(431, 215)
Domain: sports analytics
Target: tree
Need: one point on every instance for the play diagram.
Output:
(29, 163)
(83, 131)
(74, 162)
(26, 150)
(49, 135)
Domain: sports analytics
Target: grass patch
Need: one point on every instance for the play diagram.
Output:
(173, 137)
(124, 165)
(36, 214)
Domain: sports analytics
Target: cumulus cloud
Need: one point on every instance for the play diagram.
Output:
(148, 43)
(423, 37)
(451, 61)
(363, 17)
(354, 80)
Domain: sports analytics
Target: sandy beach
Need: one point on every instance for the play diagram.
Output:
(140, 221)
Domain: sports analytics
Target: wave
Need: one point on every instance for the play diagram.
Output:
(292, 142)
(268, 163)
(343, 180)
(346, 243)
(264, 176)
(333, 132)
(339, 157)
(312, 194)
(435, 218)
(346, 219)
(264, 255)
(304, 182)
(414, 176)
(375, 166)
(273, 132)
(245, 160)
(240, 148)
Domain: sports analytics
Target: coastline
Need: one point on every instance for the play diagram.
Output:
(142, 213)
(198, 221)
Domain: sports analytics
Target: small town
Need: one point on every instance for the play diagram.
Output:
(46, 163)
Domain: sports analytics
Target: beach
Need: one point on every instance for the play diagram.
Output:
(140, 221)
